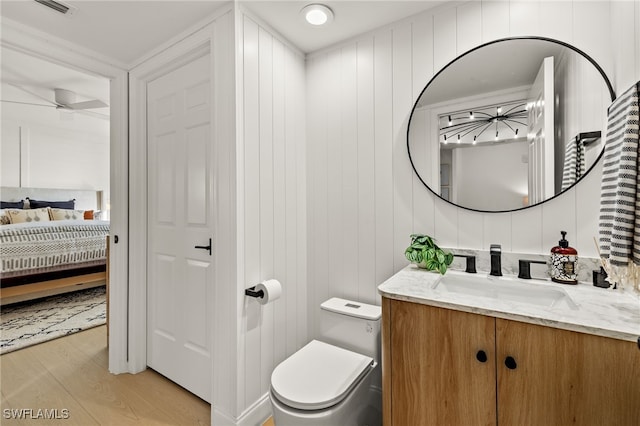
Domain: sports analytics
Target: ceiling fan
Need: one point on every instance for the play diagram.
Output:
(64, 100)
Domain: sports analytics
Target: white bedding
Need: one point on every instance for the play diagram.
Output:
(25, 246)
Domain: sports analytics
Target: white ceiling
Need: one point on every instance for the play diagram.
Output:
(121, 30)
(28, 85)
(496, 67)
(351, 18)
(41, 77)
(126, 31)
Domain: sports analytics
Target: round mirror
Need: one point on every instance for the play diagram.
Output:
(510, 124)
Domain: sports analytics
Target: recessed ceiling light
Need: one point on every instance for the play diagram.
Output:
(317, 14)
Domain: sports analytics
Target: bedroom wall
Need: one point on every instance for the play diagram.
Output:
(363, 198)
(41, 149)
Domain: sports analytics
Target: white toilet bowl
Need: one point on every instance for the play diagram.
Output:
(334, 381)
(322, 384)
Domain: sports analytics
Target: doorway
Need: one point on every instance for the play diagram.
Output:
(55, 146)
(32, 45)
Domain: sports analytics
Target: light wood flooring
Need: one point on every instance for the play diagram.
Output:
(71, 373)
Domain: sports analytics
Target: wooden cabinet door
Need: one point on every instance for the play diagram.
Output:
(435, 377)
(565, 378)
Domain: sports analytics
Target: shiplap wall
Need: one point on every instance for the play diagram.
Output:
(271, 160)
(363, 198)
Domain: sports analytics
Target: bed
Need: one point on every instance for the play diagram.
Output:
(49, 248)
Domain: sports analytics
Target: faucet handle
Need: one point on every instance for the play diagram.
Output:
(524, 268)
(471, 262)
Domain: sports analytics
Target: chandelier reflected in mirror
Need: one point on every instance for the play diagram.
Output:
(492, 123)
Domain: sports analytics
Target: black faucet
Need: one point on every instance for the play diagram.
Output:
(496, 265)
(524, 268)
(471, 262)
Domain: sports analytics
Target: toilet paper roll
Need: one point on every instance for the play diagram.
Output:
(272, 291)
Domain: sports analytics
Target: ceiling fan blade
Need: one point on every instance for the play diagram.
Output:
(86, 105)
(32, 93)
(92, 114)
(29, 103)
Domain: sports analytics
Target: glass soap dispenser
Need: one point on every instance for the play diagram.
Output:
(563, 262)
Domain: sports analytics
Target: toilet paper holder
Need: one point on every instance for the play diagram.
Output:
(251, 291)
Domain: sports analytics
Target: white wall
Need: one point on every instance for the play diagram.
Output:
(491, 177)
(272, 243)
(363, 198)
(40, 149)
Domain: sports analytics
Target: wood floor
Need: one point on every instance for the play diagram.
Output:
(69, 378)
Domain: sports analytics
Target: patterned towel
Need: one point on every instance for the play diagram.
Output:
(619, 225)
(574, 163)
(581, 167)
(571, 161)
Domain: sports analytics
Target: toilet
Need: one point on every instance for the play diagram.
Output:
(336, 379)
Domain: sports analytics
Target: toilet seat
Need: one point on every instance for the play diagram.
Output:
(318, 376)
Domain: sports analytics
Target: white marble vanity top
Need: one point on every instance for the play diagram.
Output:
(596, 311)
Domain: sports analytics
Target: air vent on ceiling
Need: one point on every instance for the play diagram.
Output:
(57, 6)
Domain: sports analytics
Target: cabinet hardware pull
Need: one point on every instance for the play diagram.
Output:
(208, 248)
(481, 356)
(510, 363)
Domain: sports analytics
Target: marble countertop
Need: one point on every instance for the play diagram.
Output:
(596, 311)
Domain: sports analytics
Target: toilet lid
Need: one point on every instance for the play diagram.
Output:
(318, 376)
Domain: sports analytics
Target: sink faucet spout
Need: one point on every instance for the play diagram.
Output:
(495, 250)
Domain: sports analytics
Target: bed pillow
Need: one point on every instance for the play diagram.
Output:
(30, 215)
(65, 214)
(37, 204)
(88, 215)
(12, 204)
(4, 217)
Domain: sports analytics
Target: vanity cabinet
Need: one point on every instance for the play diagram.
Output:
(435, 376)
(447, 367)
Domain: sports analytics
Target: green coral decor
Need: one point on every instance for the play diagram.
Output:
(425, 253)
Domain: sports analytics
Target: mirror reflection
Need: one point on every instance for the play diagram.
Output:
(510, 124)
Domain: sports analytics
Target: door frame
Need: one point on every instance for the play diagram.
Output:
(193, 45)
(218, 36)
(184, 52)
(45, 46)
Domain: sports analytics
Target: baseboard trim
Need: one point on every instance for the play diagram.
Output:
(255, 415)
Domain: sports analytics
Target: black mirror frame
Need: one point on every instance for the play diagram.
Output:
(612, 94)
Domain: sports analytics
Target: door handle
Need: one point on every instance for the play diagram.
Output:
(205, 247)
(510, 362)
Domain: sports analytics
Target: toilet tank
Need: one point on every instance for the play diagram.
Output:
(351, 325)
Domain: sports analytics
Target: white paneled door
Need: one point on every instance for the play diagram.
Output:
(180, 227)
(541, 134)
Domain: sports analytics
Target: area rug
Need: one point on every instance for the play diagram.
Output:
(28, 323)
